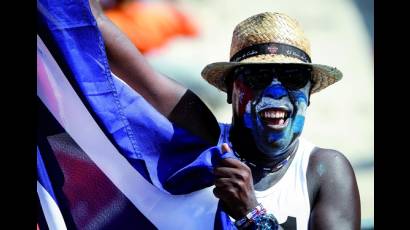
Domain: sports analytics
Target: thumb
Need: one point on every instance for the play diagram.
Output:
(222, 152)
(225, 148)
(226, 152)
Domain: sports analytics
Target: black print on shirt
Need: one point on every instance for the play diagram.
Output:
(289, 224)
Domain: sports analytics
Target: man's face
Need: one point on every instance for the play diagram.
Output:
(271, 102)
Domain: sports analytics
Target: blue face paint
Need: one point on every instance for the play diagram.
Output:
(298, 124)
(274, 139)
(276, 90)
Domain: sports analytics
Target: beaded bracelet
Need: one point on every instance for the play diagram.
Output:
(250, 217)
(260, 219)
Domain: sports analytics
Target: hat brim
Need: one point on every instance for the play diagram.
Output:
(322, 75)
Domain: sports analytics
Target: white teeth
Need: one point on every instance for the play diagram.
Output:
(273, 114)
(281, 121)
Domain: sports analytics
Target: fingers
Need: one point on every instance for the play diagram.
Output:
(226, 189)
(233, 163)
(229, 183)
(226, 172)
(233, 173)
(224, 182)
(218, 192)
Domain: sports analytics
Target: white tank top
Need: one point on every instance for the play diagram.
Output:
(288, 198)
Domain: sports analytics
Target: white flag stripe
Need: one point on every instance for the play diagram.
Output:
(55, 220)
(191, 211)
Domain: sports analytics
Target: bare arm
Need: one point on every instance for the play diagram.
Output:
(333, 188)
(129, 64)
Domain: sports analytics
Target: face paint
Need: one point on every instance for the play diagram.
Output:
(274, 115)
(243, 95)
(247, 118)
(301, 102)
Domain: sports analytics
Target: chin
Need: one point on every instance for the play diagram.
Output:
(274, 142)
(272, 145)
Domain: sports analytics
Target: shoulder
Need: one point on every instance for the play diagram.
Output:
(332, 186)
(326, 167)
(327, 162)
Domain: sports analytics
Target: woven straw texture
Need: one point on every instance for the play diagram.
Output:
(264, 28)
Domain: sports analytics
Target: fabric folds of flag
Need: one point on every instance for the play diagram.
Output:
(106, 159)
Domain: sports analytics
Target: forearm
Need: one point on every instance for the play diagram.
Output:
(119, 48)
(131, 66)
(123, 56)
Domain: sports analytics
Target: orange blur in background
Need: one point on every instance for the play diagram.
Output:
(151, 25)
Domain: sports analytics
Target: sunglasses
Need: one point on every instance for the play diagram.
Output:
(292, 77)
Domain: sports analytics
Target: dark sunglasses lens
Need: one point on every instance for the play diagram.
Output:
(262, 80)
(255, 80)
(294, 79)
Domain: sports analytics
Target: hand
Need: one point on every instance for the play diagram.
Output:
(234, 186)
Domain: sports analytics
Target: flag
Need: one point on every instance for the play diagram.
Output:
(106, 159)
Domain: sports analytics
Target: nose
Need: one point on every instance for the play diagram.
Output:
(275, 90)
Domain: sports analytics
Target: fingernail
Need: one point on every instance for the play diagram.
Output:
(225, 148)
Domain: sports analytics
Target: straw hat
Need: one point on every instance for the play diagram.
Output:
(270, 38)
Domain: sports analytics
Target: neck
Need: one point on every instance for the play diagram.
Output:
(246, 149)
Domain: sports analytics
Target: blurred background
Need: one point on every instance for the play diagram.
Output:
(180, 37)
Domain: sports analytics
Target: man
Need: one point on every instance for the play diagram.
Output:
(276, 177)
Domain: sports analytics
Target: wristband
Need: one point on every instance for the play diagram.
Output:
(250, 217)
(259, 218)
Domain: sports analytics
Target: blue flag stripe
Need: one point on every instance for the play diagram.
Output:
(42, 176)
(59, 97)
(116, 128)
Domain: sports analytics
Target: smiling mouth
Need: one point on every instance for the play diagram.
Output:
(275, 118)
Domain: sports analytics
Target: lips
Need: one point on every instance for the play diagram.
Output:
(275, 118)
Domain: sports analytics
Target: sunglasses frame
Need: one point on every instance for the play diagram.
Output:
(281, 72)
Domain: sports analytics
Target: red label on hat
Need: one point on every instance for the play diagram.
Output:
(272, 49)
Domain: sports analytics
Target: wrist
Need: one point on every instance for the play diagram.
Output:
(247, 208)
(258, 218)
